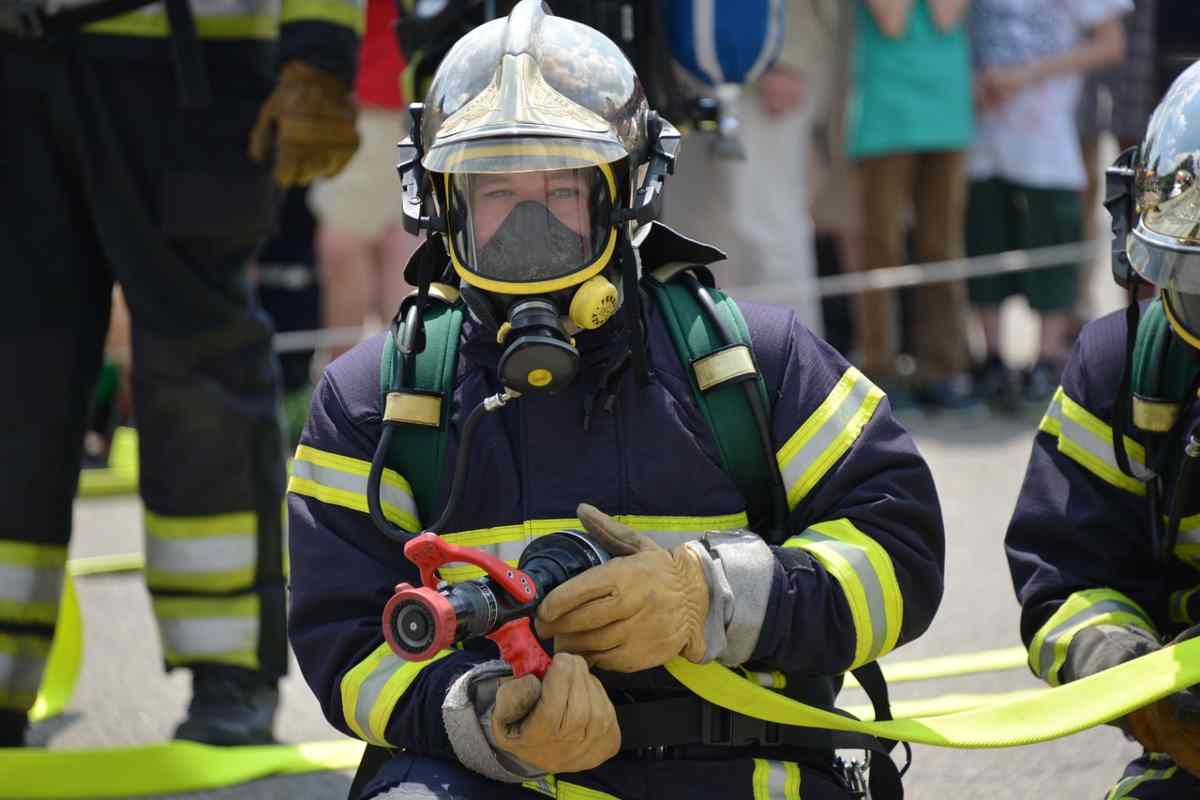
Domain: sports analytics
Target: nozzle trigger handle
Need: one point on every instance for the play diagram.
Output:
(521, 649)
(430, 551)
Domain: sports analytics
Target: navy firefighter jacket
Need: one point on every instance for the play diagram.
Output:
(1079, 545)
(860, 574)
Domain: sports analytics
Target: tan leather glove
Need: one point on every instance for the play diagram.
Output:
(1172, 724)
(563, 723)
(637, 611)
(308, 121)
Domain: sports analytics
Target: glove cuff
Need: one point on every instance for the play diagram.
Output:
(738, 567)
(467, 714)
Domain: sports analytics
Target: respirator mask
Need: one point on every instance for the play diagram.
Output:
(535, 250)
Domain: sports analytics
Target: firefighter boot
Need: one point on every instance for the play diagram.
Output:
(230, 706)
(12, 728)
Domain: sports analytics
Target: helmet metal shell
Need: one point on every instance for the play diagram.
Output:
(533, 75)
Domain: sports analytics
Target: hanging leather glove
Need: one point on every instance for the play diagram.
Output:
(1172, 724)
(308, 122)
(563, 723)
(637, 611)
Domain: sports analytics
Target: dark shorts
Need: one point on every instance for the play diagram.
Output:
(1004, 216)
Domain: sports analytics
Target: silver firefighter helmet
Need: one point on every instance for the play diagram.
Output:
(1164, 247)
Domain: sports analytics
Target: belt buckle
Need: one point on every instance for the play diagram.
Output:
(22, 18)
(721, 727)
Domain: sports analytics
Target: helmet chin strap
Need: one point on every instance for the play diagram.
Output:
(632, 307)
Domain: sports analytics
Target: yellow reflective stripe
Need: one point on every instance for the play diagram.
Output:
(767, 680)
(1187, 545)
(371, 689)
(544, 786)
(22, 662)
(507, 541)
(342, 481)
(1179, 602)
(1088, 441)
(1127, 785)
(165, 526)
(827, 434)
(1048, 648)
(239, 26)
(864, 570)
(776, 780)
(349, 14)
(220, 629)
(38, 556)
(205, 553)
(573, 791)
(31, 577)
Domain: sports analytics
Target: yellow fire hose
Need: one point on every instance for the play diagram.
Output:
(963, 721)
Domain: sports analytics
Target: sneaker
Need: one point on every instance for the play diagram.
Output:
(995, 384)
(230, 706)
(13, 725)
(1039, 382)
(956, 393)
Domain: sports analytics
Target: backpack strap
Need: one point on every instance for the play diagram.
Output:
(712, 339)
(420, 400)
(1164, 370)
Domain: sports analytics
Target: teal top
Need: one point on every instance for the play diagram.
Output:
(909, 94)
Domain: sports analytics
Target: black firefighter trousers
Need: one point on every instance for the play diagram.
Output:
(106, 177)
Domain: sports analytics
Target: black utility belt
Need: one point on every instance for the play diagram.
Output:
(691, 722)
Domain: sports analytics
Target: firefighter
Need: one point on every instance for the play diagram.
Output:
(143, 142)
(538, 156)
(1103, 543)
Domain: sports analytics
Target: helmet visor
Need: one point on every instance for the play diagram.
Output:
(526, 232)
(1164, 261)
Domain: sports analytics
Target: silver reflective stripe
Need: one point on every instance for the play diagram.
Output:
(203, 554)
(1080, 436)
(776, 780)
(200, 636)
(857, 557)
(1128, 784)
(823, 437)
(21, 674)
(1046, 656)
(30, 584)
(368, 693)
(357, 484)
(1188, 536)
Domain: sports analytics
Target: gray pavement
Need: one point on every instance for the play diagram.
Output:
(978, 461)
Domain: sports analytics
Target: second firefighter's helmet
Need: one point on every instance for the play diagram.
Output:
(1164, 247)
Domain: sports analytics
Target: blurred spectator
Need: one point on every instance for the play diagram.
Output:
(827, 28)
(362, 246)
(1025, 167)
(285, 272)
(908, 122)
(756, 210)
(1115, 101)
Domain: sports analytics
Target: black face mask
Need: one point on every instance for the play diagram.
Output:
(531, 245)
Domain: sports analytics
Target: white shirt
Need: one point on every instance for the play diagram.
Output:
(1032, 139)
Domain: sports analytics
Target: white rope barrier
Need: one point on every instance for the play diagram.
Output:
(792, 292)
